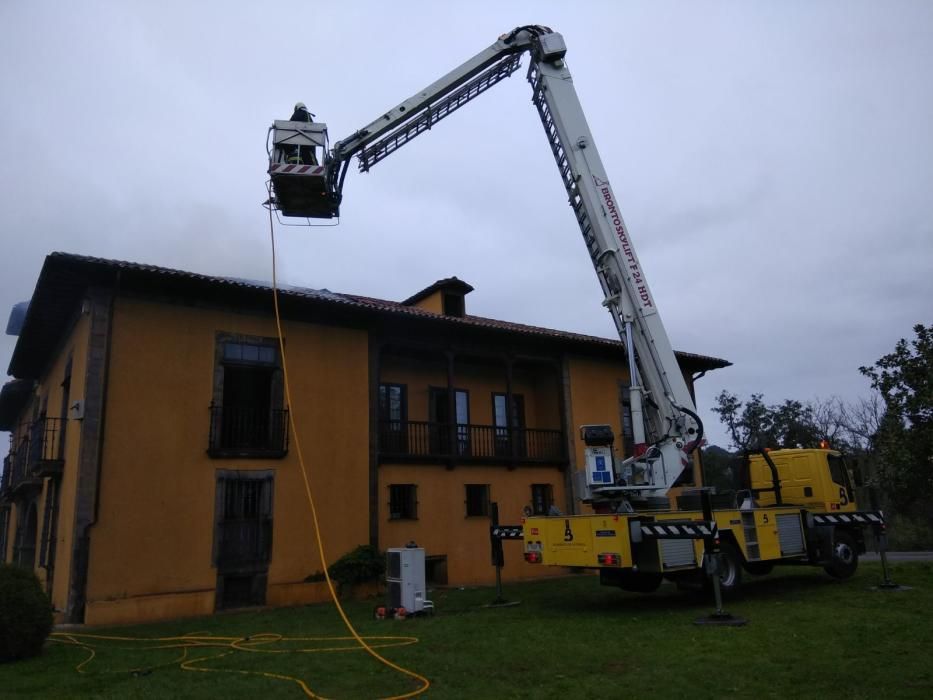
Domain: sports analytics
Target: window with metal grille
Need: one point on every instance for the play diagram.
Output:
(477, 500)
(248, 416)
(403, 502)
(243, 536)
(4, 526)
(542, 498)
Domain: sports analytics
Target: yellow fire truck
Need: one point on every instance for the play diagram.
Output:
(798, 507)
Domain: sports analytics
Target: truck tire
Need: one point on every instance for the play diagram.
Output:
(730, 574)
(844, 560)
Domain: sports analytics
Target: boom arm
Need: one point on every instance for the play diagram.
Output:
(666, 427)
(665, 423)
(422, 110)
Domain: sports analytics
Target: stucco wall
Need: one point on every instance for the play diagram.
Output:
(155, 528)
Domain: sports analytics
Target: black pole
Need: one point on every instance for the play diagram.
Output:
(775, 479)
(880, 532)
(712, 559)
(498, 556)
(886, 584)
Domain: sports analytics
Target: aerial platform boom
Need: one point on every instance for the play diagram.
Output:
(666, 427)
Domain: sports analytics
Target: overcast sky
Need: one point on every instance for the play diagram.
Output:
(773, 162)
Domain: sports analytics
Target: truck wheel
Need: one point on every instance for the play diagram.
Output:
(844, 556)
(730, 574)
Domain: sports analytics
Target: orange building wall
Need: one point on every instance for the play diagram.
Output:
(49, 392)
(594, 397)
(442, 527)
(155, 530)
(594, 388)
(433, 303)
(77, 345)
(150, 554)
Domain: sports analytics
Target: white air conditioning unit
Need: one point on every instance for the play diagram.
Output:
(405, 587)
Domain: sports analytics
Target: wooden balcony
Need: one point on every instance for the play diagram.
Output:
(237, 431)
(422, 441)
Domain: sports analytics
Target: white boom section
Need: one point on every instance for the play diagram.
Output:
(658, 390)
(429, 96)
(662, 408)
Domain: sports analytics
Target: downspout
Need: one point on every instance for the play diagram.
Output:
(103, 408)
(78, 602)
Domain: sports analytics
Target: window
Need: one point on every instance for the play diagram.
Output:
(243, 538)
(542, 498)
(439, 415)
(253, 353)
(24, 553)
(509, 425)
(403, 502)
(65, 405)
(4, 527)
(840, 474)
(453, 305)
(477, 500)
(628, 430)
(393, 418)
(247, 414)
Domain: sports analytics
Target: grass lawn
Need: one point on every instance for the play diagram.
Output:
(570, 638)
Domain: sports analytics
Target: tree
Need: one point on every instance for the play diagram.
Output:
(719, 468)
(753, 423)
(904, 439)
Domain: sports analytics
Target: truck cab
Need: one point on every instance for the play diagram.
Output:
(815, 479)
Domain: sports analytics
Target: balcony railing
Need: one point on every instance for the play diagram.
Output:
(44, 455)
(16, 473)
(468, 442)
(35, 455)
(238, 431)
(7, 475)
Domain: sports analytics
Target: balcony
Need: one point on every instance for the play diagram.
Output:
(37, 454)
(6, 476)
(422, 441)
(43, 447)
(238, 431)
(18, 479)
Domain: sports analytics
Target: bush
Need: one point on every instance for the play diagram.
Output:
(365, 563)
(25, 614)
